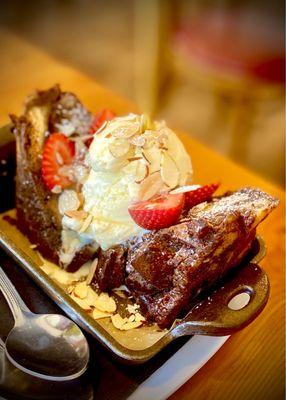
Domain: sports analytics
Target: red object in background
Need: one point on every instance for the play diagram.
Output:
(238, 41)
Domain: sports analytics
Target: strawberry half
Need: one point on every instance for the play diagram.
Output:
(100, 118)
(159, 212)
(199, 195)
(58, 152)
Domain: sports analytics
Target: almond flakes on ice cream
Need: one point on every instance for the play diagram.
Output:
(130, 159)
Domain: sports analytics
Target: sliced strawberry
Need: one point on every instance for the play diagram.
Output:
(159, 212)
(199, 195)
(100, 118)
(58, 152)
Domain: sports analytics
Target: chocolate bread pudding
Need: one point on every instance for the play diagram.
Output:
(37, 206)
(168, 268)
(119, 191)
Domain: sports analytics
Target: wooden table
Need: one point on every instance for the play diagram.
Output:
(251, 364)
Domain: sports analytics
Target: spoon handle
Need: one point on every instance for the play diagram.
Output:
(13, 298)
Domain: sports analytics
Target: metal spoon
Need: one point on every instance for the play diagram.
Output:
(48, 346)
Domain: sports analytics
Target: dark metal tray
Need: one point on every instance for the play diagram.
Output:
(209, 315)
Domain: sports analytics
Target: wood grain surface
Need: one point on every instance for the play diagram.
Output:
(251, 364)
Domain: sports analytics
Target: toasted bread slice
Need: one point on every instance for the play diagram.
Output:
(37, 207)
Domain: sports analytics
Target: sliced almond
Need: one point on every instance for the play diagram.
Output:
(153, 155)
(92, 271)
(118, 321)
(91, 297)
(68, 201)
(82, 272)
(80, 290)
(76, 214)
(126, 131)
(142, 171)
(86, 224)
(130, 325)
(131, 318)
(150, 186)
(81, 302)
(139, 317)
(63, 277)
(97, 314)
(169, 171)
(119, 148)
(105, 303)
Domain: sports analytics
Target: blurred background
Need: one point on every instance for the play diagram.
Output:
(215, 69)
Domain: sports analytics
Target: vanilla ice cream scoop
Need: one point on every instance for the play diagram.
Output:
(130, 159)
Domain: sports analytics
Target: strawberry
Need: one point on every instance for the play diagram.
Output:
(159, 212)
(58, 152)
(100, 118)
(199, 195)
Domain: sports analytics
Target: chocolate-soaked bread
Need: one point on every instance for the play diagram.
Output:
(110, 271)
(37, 209)
(166, 269)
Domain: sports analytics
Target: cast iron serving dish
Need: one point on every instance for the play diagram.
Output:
(209, 314)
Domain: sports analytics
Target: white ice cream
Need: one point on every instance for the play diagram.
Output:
(130, 159)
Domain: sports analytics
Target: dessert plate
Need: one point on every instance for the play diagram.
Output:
(179, 368)
(210, 314)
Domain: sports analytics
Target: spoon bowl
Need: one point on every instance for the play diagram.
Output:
(48, 346)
